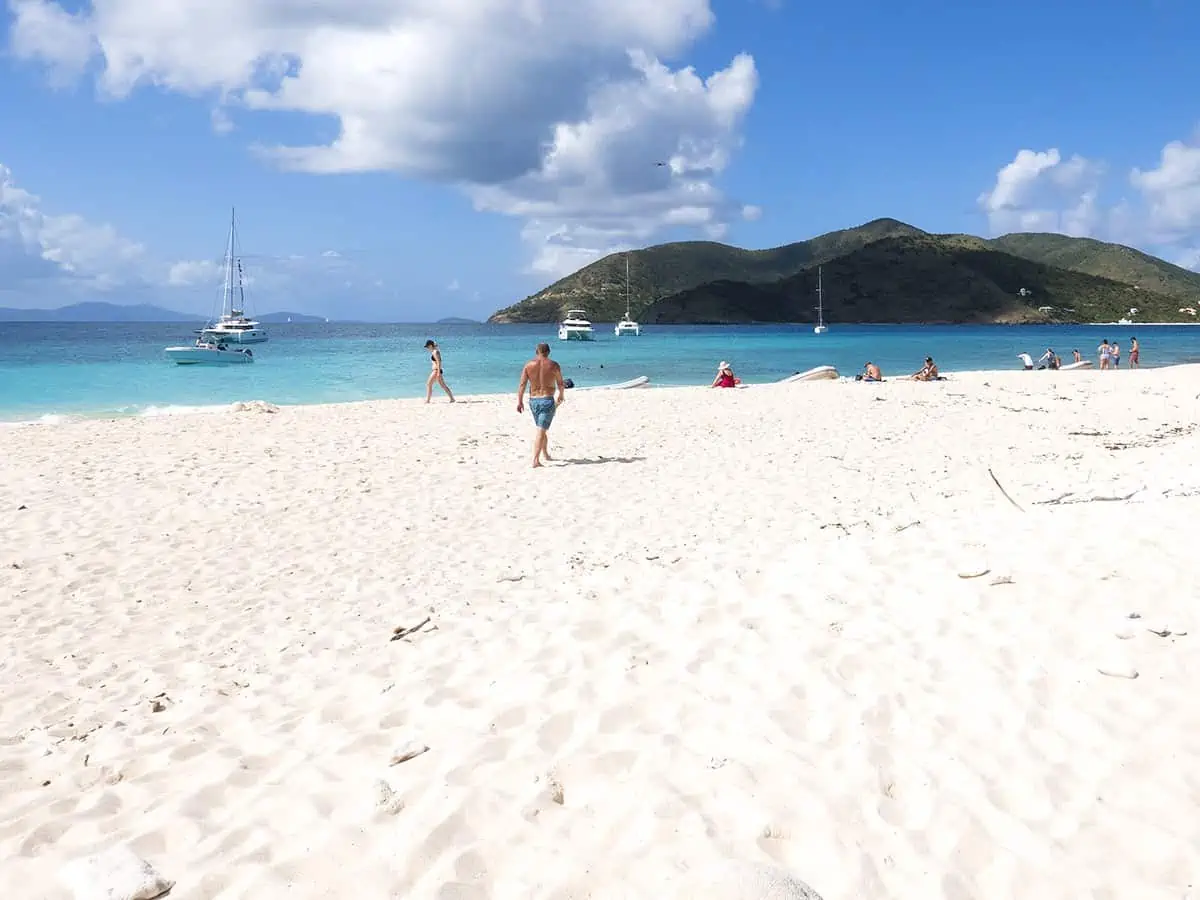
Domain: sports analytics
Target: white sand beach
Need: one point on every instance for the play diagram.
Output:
(796, 625)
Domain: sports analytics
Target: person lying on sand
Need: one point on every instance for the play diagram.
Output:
(725, 377)
(929, 371)
(870, 372)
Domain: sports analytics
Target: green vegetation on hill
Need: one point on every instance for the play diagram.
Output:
(666, 269)
(923, 278)
(883, 271)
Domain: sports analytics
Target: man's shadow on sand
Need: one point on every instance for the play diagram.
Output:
(601, 460)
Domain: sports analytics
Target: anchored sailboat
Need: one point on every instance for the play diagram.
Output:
(627, 325)
(233, 327)
(820, 327)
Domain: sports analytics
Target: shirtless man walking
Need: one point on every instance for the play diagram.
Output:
(543, 376)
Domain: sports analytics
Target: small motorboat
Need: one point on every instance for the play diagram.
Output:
(209, 353)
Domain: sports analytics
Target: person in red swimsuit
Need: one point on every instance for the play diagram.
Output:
(725, 377)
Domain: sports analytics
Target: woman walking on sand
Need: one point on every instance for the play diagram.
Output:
(435, 376)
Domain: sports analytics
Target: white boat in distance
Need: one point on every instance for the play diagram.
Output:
(576, 327)
(820, 328)
(233, 327)
(627, 325)
(209, 353)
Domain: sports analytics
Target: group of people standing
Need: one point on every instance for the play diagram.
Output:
(1110, 354)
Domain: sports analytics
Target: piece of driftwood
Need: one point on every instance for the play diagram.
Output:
(1003, 491)
(973, 574)
(401, 632)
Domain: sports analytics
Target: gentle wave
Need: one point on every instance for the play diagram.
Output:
(149, 412)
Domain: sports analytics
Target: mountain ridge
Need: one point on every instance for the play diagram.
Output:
(666, 271)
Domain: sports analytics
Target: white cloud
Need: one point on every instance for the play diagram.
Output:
(66, 248)
(193, 272)
(1040, 191)
(453, 285)
(552, 112)
(1172, 191)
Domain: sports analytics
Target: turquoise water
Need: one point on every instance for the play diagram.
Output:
(100, 369)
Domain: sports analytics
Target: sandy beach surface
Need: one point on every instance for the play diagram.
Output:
(859, 632)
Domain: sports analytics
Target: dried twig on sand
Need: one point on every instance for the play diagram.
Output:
(1003, 491)
(401, 632)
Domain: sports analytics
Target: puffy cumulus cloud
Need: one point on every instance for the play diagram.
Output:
(1042, 191)
(69, 251)
(1172, 191)
(549, 111)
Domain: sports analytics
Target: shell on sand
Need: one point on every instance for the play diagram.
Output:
(732, 880)
(114, 874)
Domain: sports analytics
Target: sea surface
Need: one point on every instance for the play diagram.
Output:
(52, 371)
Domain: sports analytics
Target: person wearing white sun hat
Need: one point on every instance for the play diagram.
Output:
(725, 377)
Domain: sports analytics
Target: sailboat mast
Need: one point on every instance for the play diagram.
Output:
(820, 296)
(627, 312)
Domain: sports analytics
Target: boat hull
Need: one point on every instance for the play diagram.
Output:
(628, 328)
(575, 334)
(205, 356)
(252, 336)
(819, 373)
(640, 382)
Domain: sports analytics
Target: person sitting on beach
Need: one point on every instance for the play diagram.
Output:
(871, 372)
(725, 377)
(929, 371)
(1026, 361)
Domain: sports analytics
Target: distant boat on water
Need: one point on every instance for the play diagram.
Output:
(233, 326)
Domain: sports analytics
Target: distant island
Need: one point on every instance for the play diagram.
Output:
(454, 320)
(115, 312)
(883, 271)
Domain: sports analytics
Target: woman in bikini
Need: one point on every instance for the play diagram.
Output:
(435, 376)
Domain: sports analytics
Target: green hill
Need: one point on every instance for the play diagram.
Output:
(670, 268)
(920, 278)
(896, 282)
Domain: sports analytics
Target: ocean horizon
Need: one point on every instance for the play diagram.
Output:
(55, 371)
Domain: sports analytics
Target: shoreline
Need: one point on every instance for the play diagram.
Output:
(51, 419)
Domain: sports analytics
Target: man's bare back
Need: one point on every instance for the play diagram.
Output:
(544, 376)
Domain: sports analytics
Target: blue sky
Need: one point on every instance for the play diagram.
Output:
(404, 160)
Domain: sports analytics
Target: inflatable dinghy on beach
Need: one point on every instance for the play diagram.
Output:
(1082, 364)
(640, 382)
(820, 373)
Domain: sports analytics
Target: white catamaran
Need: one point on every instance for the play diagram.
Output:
(233, 327)
(627, 325)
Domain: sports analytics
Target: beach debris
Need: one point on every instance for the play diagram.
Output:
(407, 751)
(900, 528)
(973, 574)
(21, 507)
(160, 702)
(1134, 615)
(510, 578)
(1072, 497)
(1003, 491)
(1125, 633)
(255, 406)
(1161, 632)
(1118, 671)
(554, 789)
(387, 800)
(402, 632)
(736, 880)
(114, 874)
(718, 762)
(1003, 579)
